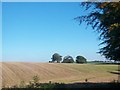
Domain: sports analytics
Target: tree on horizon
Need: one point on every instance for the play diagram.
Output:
(56, 57)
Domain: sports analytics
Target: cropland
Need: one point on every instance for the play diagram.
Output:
(15, 72)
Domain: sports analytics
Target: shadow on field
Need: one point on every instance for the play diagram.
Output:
(115, 72)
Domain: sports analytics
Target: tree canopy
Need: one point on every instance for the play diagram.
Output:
(68, 59)
(105, 19)
(56, 57)
(81, 59)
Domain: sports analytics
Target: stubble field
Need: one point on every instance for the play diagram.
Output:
(15, 72)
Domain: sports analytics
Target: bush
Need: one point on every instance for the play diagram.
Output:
(36, 79)
(22, 84)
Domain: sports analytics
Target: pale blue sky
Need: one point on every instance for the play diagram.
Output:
(35, 31)
(0, 31)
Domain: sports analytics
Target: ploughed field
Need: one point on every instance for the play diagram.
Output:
(15, 72)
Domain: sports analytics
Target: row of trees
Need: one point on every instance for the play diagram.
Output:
(67, 59)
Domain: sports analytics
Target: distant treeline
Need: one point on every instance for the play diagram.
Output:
(104, 62)
(67, 59)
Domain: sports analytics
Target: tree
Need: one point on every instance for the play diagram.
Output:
(81, 59)
(68, 59)
(56, 57)
(104, 18)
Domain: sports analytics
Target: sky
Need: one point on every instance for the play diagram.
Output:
(44, 0)
(34, 31)
(0, 31)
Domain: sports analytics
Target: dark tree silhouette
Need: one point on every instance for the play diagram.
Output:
(56, 57)
(81, 59)
(68, 59)
(105, 19)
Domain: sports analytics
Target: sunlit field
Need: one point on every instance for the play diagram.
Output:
(15, 72)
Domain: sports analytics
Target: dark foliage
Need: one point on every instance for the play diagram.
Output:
(105, 19)
(81, 59)
(56, 57)
(73, 86)
(68, 59)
